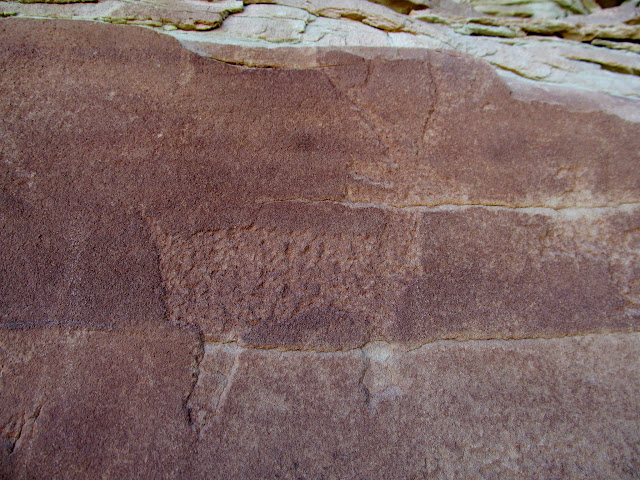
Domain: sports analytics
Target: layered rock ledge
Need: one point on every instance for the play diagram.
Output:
(361, 262)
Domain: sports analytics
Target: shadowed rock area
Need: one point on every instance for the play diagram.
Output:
(375, 268)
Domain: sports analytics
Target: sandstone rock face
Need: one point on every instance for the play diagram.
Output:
(365, 263)
(80, 403)
(523, 41)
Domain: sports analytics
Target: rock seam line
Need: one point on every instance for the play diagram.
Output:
(400, 347)
(534, 209)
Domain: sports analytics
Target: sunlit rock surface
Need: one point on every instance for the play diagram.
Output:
(401, 249)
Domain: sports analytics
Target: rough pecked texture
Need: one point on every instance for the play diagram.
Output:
(368, 266)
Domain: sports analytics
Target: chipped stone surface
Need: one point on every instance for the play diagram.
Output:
(379, 262)
(406, 277)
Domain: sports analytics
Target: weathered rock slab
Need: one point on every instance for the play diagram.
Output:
(78, 404)
(379, 266)
(524, 409)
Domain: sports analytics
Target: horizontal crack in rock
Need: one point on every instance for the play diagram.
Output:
(409, 347)
(533, 208)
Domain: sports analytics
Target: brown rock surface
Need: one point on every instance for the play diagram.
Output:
(175, 229)
(561, 408)
(368, 274)
(79, 404)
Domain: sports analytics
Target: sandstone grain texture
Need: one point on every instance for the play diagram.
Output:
(377, 264)
(81, 404)
(562, 408)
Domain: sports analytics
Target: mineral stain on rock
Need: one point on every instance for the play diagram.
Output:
(385, 267)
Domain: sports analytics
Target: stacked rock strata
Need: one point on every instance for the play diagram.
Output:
(363, 262)
(577, 45)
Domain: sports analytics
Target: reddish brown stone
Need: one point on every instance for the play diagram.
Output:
(494, 274)
(523, 409)
(79, 404)
(218, 164)
(142, 186)
(93, 267)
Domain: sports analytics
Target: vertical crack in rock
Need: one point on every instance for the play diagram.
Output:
(217, 370)
(228, 384)
(195, 378)
(431, 111)
(18, 427)
(12, 430)
(366, 363)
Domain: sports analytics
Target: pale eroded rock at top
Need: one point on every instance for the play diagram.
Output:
(532, 47)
